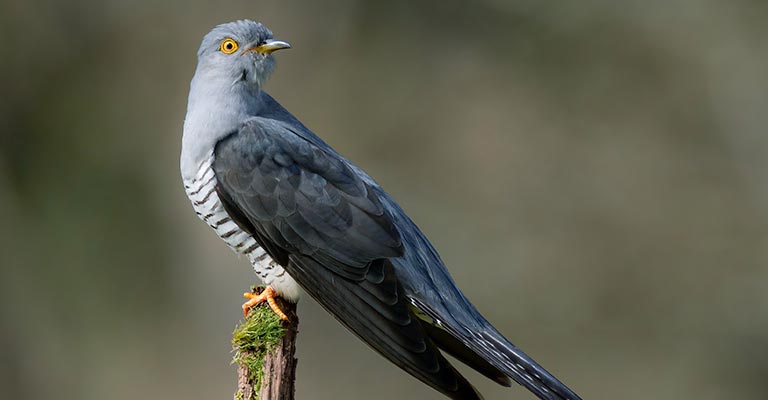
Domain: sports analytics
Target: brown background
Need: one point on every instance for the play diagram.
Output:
(592, 172)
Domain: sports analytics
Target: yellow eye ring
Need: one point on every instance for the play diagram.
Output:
(228, 46)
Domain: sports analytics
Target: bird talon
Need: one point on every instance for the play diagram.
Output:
(267, 295)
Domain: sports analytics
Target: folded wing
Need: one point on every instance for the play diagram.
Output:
(316, 217)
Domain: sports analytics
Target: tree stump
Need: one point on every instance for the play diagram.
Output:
(264, 347)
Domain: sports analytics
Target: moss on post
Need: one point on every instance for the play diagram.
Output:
(254, 338)
(264, 346)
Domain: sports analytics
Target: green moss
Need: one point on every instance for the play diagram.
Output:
(253, 338)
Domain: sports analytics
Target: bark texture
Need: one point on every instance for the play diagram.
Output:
(276, 379)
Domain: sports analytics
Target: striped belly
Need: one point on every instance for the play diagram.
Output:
(201, 191)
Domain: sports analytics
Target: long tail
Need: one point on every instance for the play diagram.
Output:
(490, 353)
(505, 356)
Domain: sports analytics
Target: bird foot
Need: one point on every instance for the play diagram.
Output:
(267, 295)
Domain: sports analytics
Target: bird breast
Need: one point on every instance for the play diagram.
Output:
(201, 190)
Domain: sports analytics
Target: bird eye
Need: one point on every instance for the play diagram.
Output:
(228, 46)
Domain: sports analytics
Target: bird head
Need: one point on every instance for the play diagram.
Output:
(239, 53)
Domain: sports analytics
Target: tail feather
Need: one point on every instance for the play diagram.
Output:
(487, 351)
(497, 350)
(446, 342)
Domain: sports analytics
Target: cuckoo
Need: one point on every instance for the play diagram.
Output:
(306, 217)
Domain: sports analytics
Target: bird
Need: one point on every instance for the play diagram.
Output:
(310, 221)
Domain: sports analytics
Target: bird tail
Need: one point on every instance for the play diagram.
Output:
(488, 352)
(499, 352)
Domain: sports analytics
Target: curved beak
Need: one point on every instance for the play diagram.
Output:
(269, 46)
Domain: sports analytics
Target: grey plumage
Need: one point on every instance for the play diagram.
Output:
(335, 231)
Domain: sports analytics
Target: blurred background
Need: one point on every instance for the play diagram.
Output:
(594, 174)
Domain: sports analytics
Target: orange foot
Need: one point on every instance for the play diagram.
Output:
(267, 295)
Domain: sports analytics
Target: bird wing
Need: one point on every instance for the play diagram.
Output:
(318, 218)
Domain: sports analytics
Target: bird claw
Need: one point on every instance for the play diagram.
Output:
(267, 295)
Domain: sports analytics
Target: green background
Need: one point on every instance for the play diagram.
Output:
(593, 173)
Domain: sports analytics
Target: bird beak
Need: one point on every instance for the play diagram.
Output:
(269, 46)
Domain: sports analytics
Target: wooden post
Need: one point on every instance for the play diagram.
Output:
(264, 347)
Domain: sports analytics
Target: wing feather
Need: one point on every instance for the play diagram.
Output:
(320, 220)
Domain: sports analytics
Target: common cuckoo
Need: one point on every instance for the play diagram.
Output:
(308, 218)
